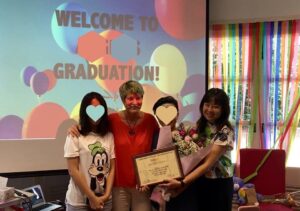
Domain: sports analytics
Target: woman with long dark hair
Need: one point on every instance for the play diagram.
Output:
(212, 179)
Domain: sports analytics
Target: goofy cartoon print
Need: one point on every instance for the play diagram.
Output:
(99, 168)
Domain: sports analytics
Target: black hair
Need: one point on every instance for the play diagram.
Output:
(219, 97)
(164, 100)
(102, 125)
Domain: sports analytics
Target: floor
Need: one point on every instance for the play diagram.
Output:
(266, 207)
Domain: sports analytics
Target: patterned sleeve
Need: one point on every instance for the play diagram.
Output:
(225, 137)
(71, 148)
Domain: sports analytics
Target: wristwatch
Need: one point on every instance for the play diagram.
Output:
(181, 182)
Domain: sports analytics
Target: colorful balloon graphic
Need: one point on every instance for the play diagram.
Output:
(182, 20)
(44, 120)
(66, 36)
(92, 46)
(75, 112)
(39, 83)
(27, 73)
(151, 95)
(11, 127)
(191, 98)
(189, 113)
(62, 130)
(51, 78)
(111, 34)
(113, 76)
(124, 48)
(189, 94)
(172, 68)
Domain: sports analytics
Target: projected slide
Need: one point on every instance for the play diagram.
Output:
(53, 52)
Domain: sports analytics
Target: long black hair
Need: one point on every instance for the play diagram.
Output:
(219, 97)
(102, 125)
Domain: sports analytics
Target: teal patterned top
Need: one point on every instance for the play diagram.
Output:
(223, 167)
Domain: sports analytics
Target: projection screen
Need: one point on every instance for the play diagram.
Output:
(54, 52)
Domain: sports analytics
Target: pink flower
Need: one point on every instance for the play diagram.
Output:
(187, 138)
(195, 136)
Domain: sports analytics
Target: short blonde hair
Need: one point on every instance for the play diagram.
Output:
(130, 87)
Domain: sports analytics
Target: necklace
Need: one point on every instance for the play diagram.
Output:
(131, 125)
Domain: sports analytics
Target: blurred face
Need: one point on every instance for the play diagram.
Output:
(211, 111)
(95, 102)
(133, 102)
(173, 122)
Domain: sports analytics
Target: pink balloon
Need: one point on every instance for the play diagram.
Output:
(51, 78)
(39, 83)
(151, 95)
(44, 120)
(182, 20)
(11, 127)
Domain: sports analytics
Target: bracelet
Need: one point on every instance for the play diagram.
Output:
(182, 183)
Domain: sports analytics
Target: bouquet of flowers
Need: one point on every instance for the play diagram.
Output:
(187, 140)
(191, 148)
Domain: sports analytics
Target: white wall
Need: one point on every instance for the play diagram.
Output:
(241, 11)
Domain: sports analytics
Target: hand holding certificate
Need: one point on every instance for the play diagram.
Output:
(155, 167)
(195, 154)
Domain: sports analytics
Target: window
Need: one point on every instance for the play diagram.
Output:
(257, 64)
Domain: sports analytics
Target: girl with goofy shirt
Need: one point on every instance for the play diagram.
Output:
(91, 159)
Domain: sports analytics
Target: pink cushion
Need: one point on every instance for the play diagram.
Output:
(271, 176)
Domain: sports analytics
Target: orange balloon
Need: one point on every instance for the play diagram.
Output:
(51, 78)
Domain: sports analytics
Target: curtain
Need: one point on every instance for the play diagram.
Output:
(258, 65)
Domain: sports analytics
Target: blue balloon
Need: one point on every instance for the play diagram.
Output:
(124, 48)
(67, 36)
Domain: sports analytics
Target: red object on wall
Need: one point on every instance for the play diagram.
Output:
(271, 176)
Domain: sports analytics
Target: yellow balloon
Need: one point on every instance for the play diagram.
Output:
(172, 68)
(75, 112)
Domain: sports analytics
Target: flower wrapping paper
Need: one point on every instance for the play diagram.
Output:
(188, 162)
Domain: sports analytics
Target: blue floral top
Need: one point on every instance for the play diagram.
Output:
(223, 167)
